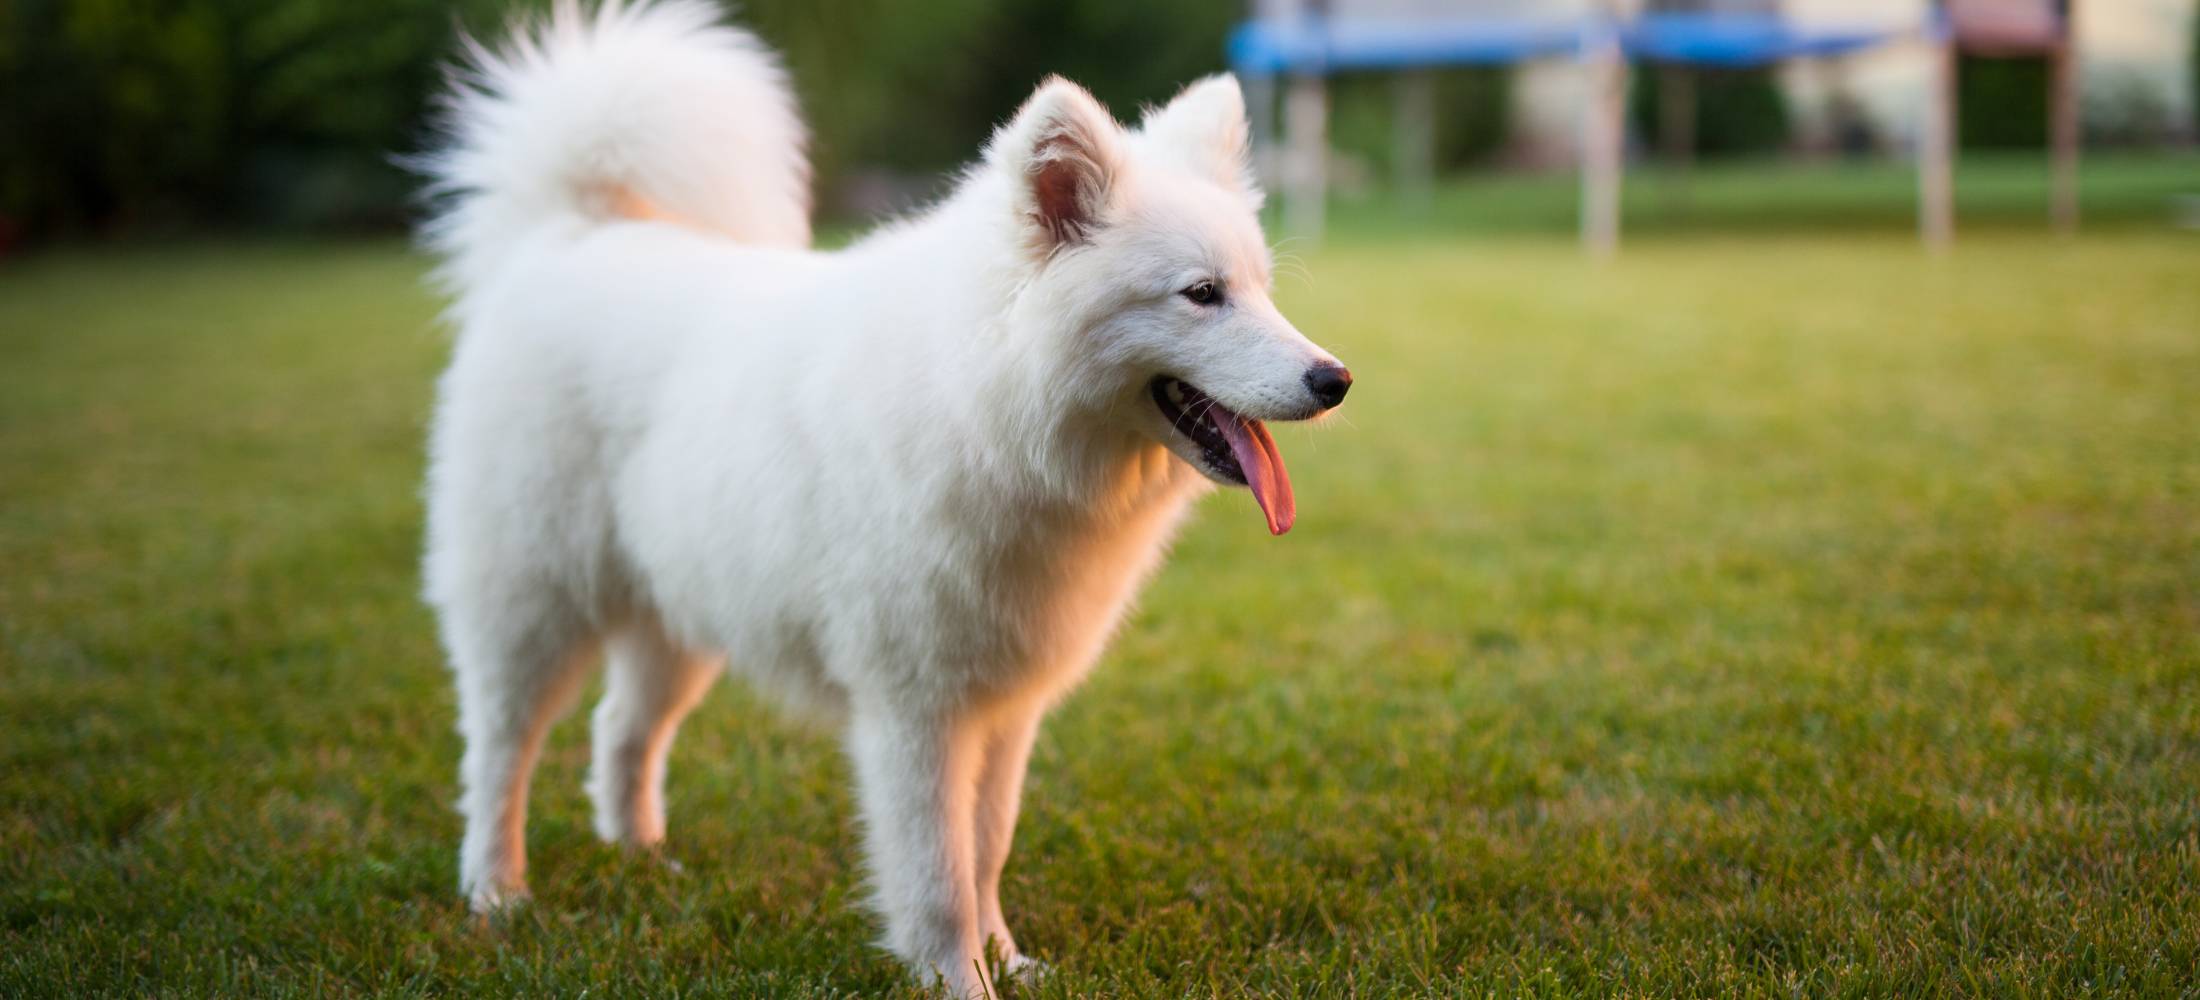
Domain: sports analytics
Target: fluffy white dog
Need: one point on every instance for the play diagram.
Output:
(908, 486)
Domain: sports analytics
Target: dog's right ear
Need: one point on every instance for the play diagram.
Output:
(1206, 129)
(1064, 152)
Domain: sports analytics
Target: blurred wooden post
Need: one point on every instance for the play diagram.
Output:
(1414, 128)
(1306, 165)
(1603, 142)
(1936, 137)
(2063, 121)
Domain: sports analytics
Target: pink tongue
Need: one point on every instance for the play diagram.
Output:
(1263, 464)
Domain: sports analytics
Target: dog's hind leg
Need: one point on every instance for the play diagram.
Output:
(512, 685)
(649, 686)
(1000, 794)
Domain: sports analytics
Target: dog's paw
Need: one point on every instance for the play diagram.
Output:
(489, 901)
(1028, 970)
(648, 856)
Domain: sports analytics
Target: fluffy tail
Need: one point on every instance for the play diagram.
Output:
(653, 108)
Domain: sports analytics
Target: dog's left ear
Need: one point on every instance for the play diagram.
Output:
(1205, 127)
(1065, 152)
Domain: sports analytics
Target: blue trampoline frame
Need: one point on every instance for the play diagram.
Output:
(1306, 48)
(1315, 45)
(1323, 45)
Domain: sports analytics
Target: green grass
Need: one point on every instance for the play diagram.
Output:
(1762, 616)
(1995, 192)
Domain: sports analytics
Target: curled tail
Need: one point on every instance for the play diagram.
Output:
(647, 109)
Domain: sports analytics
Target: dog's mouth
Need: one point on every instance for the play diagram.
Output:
(1234, 448)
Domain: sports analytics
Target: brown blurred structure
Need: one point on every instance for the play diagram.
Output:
(1999, 29)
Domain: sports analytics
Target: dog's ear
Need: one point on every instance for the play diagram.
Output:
(1205, 128)
(1065, 152)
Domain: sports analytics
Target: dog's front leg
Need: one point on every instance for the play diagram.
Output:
(916, 777)
(1000, 794)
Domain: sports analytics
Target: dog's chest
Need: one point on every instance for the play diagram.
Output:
(1032, 603)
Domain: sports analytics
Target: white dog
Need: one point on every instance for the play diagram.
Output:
(908, 486)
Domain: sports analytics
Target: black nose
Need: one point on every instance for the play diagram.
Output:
(1329, 382)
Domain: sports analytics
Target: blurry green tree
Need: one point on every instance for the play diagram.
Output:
(1729, 110)
(2002, 102)
(1473, 113)
(150, 114)
(1738, 111)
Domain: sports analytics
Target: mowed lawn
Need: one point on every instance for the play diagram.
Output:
(1764, 615)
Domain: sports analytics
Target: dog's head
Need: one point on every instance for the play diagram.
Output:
(1146, 245)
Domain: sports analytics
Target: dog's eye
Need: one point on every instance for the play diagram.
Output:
(1205, 293)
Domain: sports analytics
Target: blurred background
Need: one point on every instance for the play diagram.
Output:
(125, 117)
(1773, 608)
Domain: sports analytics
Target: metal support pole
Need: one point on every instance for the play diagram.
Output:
(1262, 98)
(1260, 115)
(1603, 144)
(1414, 135)
(2063, 124)
(1936, 143)
(1306, 166)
